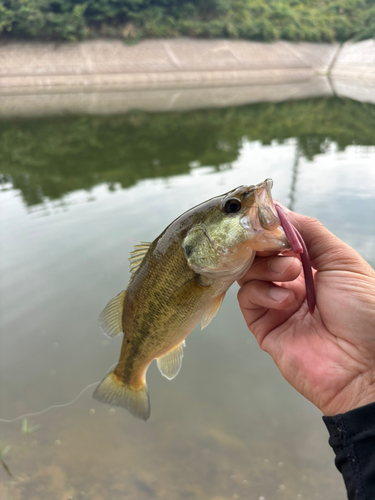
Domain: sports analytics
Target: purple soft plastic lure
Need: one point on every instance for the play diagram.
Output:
(298, 246)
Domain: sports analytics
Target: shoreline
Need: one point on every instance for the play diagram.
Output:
(107, 76)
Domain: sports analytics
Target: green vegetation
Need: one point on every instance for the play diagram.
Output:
(28, 430)
(4, 465)
(313, 20)
(49, 157)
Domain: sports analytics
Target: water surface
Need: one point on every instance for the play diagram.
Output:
(78, 193)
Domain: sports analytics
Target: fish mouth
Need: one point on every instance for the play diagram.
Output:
(267, 214)
(263, 219)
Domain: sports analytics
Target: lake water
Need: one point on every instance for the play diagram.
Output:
(77, 194)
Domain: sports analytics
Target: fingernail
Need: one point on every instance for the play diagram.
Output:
(280, 264)
(278, 294)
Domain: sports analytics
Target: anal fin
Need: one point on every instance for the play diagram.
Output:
(170, 363)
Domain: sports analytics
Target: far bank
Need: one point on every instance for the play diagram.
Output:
(108, 76)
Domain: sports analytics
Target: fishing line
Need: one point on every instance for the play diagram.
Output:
(63, 405)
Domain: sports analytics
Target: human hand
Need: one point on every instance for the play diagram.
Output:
(329, 357)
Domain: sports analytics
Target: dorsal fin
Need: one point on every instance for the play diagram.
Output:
(110, 319)
(170, 363)
(137, 256)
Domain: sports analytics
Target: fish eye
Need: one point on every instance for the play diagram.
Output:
(232, 206)
(188, 249)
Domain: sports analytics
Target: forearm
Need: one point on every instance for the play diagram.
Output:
(352, 437)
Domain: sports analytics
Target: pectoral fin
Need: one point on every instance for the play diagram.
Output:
(110, 319)
(170, 363)
(212, 311)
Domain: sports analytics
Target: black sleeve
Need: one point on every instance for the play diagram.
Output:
(352, 437)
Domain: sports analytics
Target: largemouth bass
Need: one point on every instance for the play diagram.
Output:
(179, 280)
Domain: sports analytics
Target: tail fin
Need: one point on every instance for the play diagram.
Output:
(114, 392)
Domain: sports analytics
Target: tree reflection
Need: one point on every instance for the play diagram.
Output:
(48, 158)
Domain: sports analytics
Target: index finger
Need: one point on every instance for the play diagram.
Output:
(327, 252)
(277, 268)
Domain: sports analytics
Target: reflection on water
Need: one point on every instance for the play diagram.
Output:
(47, 158)
(228, 427)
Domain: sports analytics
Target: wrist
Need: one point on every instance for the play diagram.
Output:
(351, 398)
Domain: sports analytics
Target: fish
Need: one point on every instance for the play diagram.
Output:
(179, 280)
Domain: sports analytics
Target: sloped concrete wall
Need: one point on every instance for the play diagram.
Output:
(355, 60)
(112, 65)
(107, 76)
(353, 73)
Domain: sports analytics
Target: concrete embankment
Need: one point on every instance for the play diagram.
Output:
(107, 76)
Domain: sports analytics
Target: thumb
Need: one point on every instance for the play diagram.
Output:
(326, 251)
